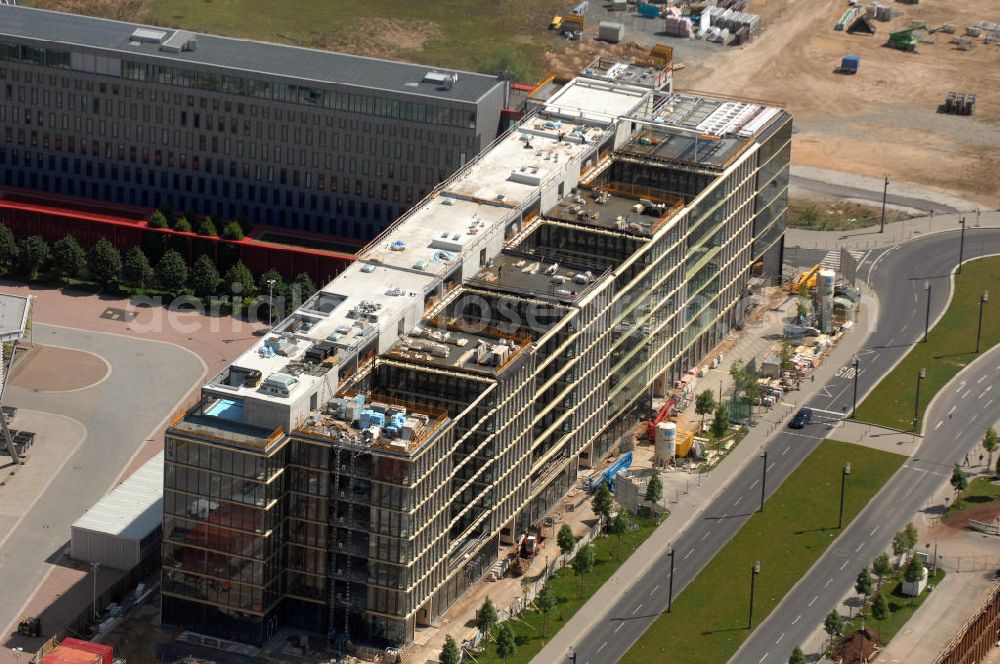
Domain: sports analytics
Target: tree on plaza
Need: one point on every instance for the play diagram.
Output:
(738, 372)
(104, 263)
(232, 231)
(546, 601)
(565, 539)
(752, 390)
(704, 404)
(207, 227)
(786, 355)
(33, 254)
(158, 220)
(959, 481)
(486, 617)
(720, 422)
(914, 571)
(171, 272)
(302, 287)
(205, 278)
(136, 269)
(864, 585)
(280, 303)
(506, 646)
(68, 257)
(797, 656)
(833, 625)
(8, 248)
(602, 502)
(880, 610)
(182, 225)
(620, 525)
(583, 563)
(904, 540)
(990, 444)
(882, 567)
(238, 282)
(449, 652)
(654, 490)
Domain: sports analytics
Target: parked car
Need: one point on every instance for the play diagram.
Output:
(801, 419)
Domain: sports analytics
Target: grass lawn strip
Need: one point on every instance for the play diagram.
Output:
(709, 620)
(565, 585)
(901, 607)
(981, 490)
(950, 348)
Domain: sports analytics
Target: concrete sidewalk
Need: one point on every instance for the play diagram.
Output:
(699, 498)
(896, 232)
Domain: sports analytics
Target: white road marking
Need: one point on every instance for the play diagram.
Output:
(874, 530)
(960, 386)
(959, 435)
(738, 500)
(829, 581)
(988, 403)
(686, 555)
(875, 357)
(988, 388)
(620, 625)
(846, 563)
(602, 646)
(889, 513)
(636, 609)
(967, 393)
(827, 412)
(981, 379)
(653, 591)
(859, 547)
(754, 484)
(903, 329)
(813, 600)
(771, 466)
(779, 638)
(786, 450)
(705, 536)
(797, 618)
(763, 658)
(938, 425)
(974, 417)
(724, 515)
(952, 410)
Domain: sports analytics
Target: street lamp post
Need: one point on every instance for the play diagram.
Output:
(916, 402)
(843, 484)
(754, 571)
(885, 191)
(983, 299)
(961, 245)
(572, 656)
(270, 302)
(857, 370)
(95, 566)
(670, 582)
(927, 317)
(763, 479)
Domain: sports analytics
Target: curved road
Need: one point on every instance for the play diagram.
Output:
(971, 400)
(898, 275)
(147, 380)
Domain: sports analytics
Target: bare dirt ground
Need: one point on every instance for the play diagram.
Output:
(884, 119)
(50, 369)
(568, 62)
(986, 513)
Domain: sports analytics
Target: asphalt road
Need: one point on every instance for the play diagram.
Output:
(953, 426)
(843, 191)
(898, 275)
(146, 382)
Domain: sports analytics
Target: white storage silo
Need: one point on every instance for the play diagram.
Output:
(824, 295)
(665, 442)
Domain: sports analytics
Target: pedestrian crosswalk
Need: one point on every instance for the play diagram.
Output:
(832, 258)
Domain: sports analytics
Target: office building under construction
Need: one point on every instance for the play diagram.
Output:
(365, 463)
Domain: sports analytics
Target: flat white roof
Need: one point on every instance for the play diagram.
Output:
(133, 509)
(596, 101)
(13, 316)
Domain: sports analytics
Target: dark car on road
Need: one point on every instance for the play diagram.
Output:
(801, 419)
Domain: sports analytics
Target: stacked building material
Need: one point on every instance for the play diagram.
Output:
(847, 18)
(958, 103)
(676, 25)
(734, 21)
